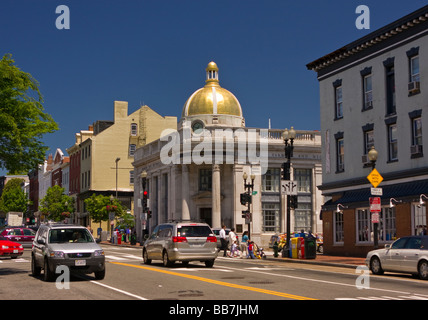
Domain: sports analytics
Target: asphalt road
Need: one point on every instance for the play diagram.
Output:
(246, 281)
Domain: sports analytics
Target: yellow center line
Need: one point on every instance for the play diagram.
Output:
(221, 283)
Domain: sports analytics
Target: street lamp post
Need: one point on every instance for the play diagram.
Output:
(249, 187)
(288, 136)
(373, 158)
(143, 204)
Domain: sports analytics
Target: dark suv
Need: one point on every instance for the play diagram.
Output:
(66, 245)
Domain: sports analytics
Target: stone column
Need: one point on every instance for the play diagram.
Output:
(185, 213)
(216, 197)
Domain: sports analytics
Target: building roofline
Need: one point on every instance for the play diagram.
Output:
(380, 35)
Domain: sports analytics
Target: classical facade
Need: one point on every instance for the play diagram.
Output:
(197, 171)
(374, 93)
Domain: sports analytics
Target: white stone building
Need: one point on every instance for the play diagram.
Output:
(197, 171)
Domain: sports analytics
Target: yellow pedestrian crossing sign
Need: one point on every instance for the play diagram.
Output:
(375, 178)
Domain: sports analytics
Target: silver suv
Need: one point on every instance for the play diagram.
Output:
(181, 241)
(66, 245)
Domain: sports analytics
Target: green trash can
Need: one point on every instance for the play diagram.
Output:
(310, 248)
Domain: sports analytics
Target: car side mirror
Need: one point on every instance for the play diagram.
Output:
(41, 241)
(98, 240)
(387, 246)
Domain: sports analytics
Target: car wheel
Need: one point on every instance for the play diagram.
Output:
(48, 274)
(165, 259)
(375, 266)
(35, 270)
(423, 270)
(100, 275)
(209, 263)
(146, 257)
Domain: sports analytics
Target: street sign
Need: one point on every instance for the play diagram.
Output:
(375, 178)
(375, 217)
(376, 191)
(288, 187)
(375, 205)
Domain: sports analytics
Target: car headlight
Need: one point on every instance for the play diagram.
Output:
(57, 254)
(4, 247)
(98, 253)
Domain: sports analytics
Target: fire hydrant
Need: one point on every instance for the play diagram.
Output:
(275, 249)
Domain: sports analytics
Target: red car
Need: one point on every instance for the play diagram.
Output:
(10, 248)
(24, 236)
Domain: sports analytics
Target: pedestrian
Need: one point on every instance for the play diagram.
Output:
(244, 244)
(234, 249)
(232, 237)
(223, 240)
(250, 250)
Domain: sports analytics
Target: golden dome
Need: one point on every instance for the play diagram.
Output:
(212, 99)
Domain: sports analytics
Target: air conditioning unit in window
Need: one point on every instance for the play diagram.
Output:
(368, 104)
(414, 87)
(365, 159)
(416, 149)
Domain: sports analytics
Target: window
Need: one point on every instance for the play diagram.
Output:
(134, 130)
(303, 217)
(132, 148)
(338, 227)
(368, 141)
(339, 103)
(390, 90)
(205, 179)
(392, 142)
(270, 212)
(414, 69)
(417, 132)
(364, 226)
(131, 177)
(368, 92)
(303, 177)
(271, 180)
(386, 227)
(340, 155)
(419, 219)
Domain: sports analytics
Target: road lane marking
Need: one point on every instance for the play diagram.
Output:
(221, 283)
(118, 290)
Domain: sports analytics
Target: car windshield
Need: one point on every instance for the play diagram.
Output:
(193, 231)
(69, 235)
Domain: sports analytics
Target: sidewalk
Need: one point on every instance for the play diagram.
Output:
(321, 259)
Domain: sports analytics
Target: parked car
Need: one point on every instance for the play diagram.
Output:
(24, 236)
(181, 241)
(405, 255)
(68, 245)
(217, 234)
(10, 249)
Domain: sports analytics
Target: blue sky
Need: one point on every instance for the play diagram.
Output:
(155, 52)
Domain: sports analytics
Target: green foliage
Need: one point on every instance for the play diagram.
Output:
(13, 197)
(96, 205)
(56, 204)
(22, 120)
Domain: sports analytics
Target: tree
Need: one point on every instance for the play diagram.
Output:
(100, 206)
(56, 204)
(13, 197)
(23, 121)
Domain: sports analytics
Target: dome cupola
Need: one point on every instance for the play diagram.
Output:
(212, 104)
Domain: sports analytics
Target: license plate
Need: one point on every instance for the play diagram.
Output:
(80, 262)
(15, 251)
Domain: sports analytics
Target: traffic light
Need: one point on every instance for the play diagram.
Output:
(285, 171)
(293, 202)
(149, 214)
(145, 202)
(245, 198)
